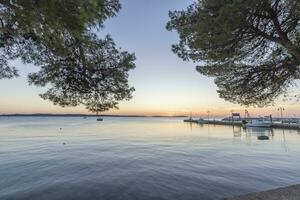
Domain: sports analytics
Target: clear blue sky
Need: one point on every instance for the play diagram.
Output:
(164, 83)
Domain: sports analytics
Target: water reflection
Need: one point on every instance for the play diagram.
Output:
(237, 131)
(260, 133)
(249, 134)
(284, 143)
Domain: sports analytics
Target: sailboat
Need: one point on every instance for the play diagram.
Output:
(190, 119)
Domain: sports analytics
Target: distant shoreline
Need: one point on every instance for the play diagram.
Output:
(79, 115)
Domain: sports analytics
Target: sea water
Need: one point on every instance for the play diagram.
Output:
(58, 158)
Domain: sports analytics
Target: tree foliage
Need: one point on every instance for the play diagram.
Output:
(59, 37)
(252, 48)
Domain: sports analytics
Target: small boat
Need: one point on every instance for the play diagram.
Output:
(200, 121)
(261, 122)
(99, 119)
(190, 119)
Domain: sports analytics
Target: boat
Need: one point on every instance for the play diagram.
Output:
(190, 119)
(99, 119)
(200, 121)
(261, 122)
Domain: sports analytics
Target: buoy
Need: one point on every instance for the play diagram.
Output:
(263, 137)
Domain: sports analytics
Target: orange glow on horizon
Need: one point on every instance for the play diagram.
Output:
(215, 111)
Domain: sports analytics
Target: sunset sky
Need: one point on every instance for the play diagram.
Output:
(165, 85)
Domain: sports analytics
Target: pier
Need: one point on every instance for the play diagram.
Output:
(239, 123)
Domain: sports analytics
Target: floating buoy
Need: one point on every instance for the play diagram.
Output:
(263, 137)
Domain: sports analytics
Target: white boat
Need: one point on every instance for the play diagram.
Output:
(261, 122)
(200, 121)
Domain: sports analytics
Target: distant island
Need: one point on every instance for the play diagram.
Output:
(78, 115)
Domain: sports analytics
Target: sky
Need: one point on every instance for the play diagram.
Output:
(164, 84)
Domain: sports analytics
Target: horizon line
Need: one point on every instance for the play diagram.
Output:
(82, 115)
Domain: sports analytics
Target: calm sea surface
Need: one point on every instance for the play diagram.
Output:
(140, 158)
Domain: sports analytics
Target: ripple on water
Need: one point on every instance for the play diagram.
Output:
(134, 158)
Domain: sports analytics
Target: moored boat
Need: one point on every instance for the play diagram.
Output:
(200, 121)
(190, 119)
(261, 122)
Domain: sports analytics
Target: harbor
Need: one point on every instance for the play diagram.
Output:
(240, 123)
(263, 122)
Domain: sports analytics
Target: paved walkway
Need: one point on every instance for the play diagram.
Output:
(287, 193)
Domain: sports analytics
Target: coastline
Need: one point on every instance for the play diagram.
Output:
(283, 193)
(79, 115)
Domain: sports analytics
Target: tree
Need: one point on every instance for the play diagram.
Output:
(60, 37)
(251, 48)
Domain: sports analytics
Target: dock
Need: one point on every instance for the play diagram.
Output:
(215, 122)
(239, 123)
(286, 126)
